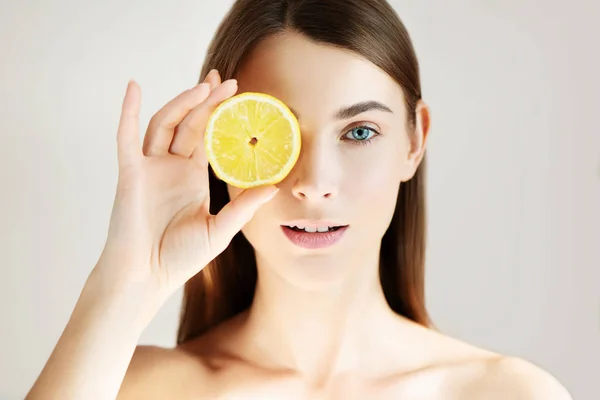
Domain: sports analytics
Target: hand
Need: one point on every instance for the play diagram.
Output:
(161, 230)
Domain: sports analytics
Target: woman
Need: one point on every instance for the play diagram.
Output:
(264, 315)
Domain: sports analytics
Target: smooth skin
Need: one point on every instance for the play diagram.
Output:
(319, 327)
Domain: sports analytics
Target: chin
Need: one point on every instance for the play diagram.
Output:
(309, 269)
(318, 273)
(305, 269)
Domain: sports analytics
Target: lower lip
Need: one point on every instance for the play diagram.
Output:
(315, 240)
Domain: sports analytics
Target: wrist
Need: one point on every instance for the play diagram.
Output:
(136, 301)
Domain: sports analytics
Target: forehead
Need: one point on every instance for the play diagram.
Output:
(316, 79)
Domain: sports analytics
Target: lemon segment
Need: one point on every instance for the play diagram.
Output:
(252, 139)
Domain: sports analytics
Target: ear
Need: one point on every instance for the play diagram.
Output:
(418, 139)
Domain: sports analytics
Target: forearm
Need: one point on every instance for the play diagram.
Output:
(92, 355)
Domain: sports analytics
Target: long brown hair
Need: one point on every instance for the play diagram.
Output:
(372, 29)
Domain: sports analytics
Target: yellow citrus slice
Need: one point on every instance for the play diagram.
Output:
(252, 139)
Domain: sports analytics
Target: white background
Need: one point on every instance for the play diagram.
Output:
(514, 182)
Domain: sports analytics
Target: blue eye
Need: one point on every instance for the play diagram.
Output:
(361, 134)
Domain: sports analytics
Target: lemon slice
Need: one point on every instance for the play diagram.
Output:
(252, 139)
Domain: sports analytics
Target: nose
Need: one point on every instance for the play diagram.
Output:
(316, 174)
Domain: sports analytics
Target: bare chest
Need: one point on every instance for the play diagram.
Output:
(250, 386)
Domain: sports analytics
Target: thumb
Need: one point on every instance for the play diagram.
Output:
(238, 212)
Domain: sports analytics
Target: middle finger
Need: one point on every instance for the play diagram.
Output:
(190, 132)
(161, 128)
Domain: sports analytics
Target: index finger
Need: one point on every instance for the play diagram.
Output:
(189, 140)
(161, 128)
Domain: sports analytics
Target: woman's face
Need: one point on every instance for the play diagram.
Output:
(350, 166)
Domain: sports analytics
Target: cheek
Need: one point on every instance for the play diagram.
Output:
(371, 191)
(372, 175)
(373, 194)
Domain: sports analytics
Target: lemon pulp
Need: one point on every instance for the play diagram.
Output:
(252, 139)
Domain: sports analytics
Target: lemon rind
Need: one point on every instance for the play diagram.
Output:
(287, 114)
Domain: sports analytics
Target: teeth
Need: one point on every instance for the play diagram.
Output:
(320, 229)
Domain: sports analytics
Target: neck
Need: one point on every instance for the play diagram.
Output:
(318, 333)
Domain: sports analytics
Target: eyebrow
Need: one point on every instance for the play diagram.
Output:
(356, 109)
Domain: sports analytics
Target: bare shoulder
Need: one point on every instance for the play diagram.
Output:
(471, 372)
(158, 372)
(508, 378)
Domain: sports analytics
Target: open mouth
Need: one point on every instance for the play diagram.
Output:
(314, 230)
(314, 237)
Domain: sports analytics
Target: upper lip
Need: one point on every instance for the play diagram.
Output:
(313, 223)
